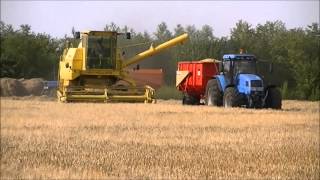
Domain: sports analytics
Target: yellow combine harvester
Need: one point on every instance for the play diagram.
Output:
(93, 71)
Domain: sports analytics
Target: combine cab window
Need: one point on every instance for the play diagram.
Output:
(101, 52)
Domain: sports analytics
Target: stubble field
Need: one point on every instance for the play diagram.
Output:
(49, 140)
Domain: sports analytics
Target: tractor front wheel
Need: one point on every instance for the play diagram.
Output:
(232, 98)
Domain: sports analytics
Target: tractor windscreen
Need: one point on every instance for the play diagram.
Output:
(101, 52)
(245, 67)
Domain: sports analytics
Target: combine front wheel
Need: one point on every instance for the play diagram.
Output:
(60, 97)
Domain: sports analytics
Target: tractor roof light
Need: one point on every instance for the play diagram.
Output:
(229, 57)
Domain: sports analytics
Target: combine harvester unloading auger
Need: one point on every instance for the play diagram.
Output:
(91, 71)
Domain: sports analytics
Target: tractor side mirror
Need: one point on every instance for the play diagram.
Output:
(231, 63)
(77, 35)
(220, 66)
(270, 67)
(128, 35)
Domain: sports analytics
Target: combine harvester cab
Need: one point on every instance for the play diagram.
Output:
(93, 70)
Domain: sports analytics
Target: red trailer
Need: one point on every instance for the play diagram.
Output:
(192, 78)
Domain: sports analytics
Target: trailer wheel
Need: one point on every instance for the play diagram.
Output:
(213, 94)
(273, 99)
(232, 98)
(189, 100)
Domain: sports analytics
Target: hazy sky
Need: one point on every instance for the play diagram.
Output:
(57, 17)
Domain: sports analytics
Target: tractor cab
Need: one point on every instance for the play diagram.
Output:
(236, 64)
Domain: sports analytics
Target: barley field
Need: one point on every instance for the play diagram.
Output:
(43, 139)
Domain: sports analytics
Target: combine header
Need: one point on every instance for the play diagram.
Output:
(95, 70)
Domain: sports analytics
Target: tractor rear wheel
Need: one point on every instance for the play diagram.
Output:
(213, 94)
(273, 99)
(189, 100)
(232, 98)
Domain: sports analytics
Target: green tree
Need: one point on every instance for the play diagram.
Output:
(162, 33)
(303, 55)
(242, 36)
(25, 54)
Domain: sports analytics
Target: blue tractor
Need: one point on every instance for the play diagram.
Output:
(239, 85)
(50, 88)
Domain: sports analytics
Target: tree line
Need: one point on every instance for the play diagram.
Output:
(294, 52)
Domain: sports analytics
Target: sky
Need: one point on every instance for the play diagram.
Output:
(58, 17)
